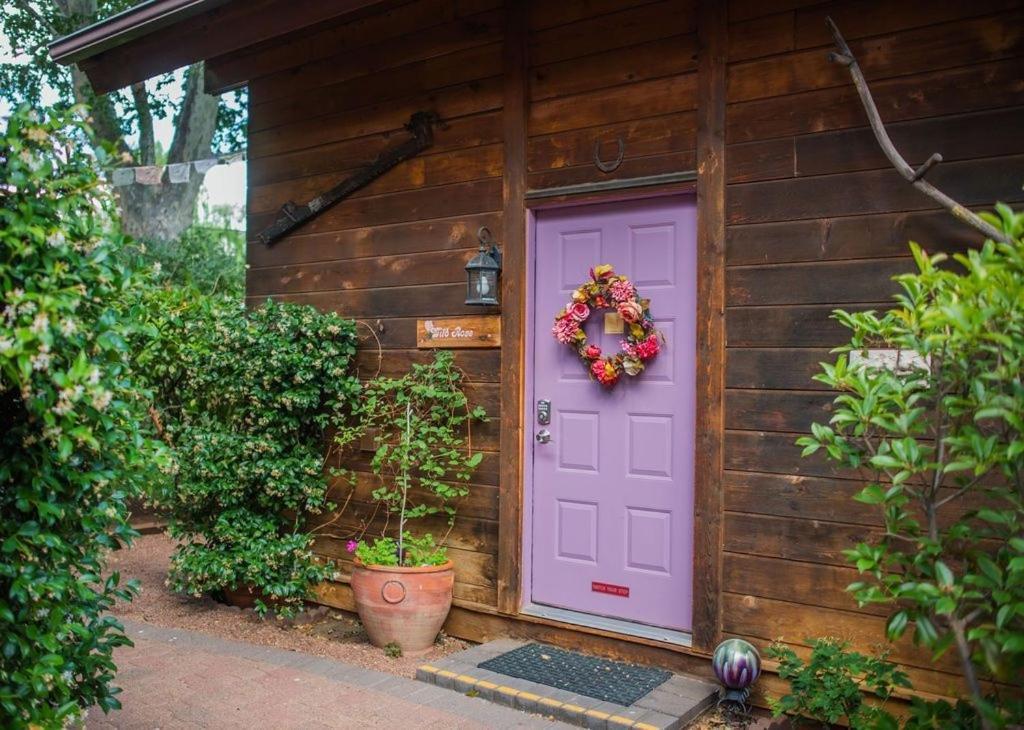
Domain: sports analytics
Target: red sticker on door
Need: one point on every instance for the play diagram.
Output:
(610, 589)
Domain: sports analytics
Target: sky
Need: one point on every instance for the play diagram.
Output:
(224, 184)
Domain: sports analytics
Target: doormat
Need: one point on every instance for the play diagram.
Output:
(601, 679)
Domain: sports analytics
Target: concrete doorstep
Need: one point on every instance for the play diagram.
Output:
(673, 704)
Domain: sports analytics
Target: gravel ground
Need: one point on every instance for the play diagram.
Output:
(323, 632)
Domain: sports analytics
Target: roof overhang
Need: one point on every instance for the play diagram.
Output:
(157, 36)
(142, 19)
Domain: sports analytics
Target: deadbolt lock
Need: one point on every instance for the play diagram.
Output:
(543, 412)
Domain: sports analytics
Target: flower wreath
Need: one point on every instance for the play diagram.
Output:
(606, 289)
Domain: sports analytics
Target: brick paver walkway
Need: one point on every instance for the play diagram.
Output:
(181, 679)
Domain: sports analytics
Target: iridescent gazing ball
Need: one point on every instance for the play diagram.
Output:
(736, 663)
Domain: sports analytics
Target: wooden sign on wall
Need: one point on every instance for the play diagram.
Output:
(456, 332)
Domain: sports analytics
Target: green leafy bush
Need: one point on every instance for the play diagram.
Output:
(71, 448)
(940, 436)
(208, 257)
(416, 551)
(420, 427)
(827, 688)
(245, 399)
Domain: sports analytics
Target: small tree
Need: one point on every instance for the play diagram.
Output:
(419, 425)
(71, 448)
(941, 435)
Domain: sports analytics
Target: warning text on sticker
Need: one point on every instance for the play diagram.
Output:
(610, 589)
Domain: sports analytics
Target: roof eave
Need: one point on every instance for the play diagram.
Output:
(126, 26)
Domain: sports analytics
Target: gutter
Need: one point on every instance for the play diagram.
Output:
(128, 25)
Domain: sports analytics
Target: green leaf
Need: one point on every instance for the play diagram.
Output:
(896, 625)
(925, 632)
(871, 494)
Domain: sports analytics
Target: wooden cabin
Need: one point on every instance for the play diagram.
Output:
(709, 151)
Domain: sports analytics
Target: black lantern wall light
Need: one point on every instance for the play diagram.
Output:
(482, 272)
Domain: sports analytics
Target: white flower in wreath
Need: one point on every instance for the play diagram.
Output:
(632, 366)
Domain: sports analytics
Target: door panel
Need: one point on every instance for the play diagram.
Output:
(612, 492)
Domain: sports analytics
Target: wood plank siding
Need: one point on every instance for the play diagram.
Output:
(812, 214)
(324, 103)
(816, 219)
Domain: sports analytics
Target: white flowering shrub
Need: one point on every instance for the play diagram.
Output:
(245, 399)
(71, 449)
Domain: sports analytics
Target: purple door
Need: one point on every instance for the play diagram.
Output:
(612, 491)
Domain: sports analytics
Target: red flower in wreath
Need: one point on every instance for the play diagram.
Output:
(642, 342)
(605, 372)
(648, 348)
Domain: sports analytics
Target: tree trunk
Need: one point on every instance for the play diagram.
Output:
(157, 213)
(162, 212)
(970, 675)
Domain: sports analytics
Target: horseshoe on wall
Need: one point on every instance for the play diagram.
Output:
(614, 164)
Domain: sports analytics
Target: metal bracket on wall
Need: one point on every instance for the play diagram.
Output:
(619, 184)
(291, 216)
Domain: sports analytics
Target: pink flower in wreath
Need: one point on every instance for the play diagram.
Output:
(565, 329)
(578, 311)
(630, 311)
(351, 546)
(606, 373)
(648, 348)
(592, 352)
(622, 290)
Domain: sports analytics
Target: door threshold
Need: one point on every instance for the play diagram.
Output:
(604, 623)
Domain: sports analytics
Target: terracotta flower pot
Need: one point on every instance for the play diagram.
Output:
(246, 596)
(404, 606)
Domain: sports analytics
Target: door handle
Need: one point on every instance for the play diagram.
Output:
(543, 436)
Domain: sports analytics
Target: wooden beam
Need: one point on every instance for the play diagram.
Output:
(711, 79)
(513, 306)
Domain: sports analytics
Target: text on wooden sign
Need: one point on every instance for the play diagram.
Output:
(456, 332)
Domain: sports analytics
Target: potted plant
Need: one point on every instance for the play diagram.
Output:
(419, 426)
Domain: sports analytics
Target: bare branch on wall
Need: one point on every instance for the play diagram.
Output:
(844, 56)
